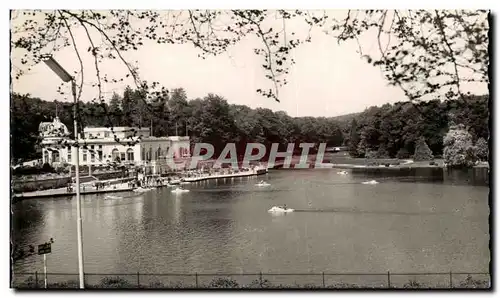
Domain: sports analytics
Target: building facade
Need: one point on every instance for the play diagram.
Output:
(100, 146)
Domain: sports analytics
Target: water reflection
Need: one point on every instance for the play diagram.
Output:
(339, 225)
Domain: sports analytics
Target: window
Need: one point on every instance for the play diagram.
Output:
(106, 134)
(55, 156)
(150, 154)
(122, 155)
(143, 153)
(115, 155)
(92, 157)
(130, 154)
(99, 153)
(84, 155)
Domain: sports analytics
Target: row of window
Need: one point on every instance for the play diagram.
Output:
(115, 154)
(122, 156)
(91, 136)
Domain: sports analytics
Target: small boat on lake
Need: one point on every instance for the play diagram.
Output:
(141, 189)
(180, 190)
(262, 183)
(371, 182)
(280, 209)
(110, 197)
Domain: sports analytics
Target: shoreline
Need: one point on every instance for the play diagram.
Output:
(62, 192)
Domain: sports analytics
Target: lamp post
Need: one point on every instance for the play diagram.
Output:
(66, 77)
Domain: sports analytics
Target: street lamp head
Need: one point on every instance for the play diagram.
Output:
(57, 69)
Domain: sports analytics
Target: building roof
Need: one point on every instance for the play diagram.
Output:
(53, 129)
(115, 128)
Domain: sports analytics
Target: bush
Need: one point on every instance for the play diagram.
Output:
(258, 284)
(387, 165)
(23, 171)
(115, 282)
(223, 283)
(433, 163)
(422, 151)
(482, 150)
(46, 168)
(458, 149)
(370, 154)
(403, 154)
(473, 283)
(382, 152)
(156, 285)
(412, 284)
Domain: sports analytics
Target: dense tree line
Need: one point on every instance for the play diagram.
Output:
(386, 131)
(210, 119)
(394, 130)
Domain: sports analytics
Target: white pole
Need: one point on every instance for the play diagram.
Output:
(77, 180)
(45, 268)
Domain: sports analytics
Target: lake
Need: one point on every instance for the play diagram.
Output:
(340, 225)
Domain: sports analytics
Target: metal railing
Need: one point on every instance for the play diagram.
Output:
(387, 280)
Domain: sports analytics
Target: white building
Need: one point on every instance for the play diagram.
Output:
(103, 146)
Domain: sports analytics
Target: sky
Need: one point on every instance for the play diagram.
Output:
(328, 79)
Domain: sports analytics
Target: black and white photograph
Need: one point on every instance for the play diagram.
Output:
(250, 149)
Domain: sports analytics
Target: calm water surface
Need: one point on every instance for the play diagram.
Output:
(340, 225)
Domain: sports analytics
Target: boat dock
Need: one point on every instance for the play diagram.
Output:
(124, 187)
(223, 176)
(63, 192)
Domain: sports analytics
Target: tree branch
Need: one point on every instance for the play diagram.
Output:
(452, 56)
(270, 64)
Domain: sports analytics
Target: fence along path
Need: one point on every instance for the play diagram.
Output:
(257, 280)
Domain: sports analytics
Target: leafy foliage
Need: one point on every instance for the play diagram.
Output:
(354, 139)
(422, 151)
(211, 120)
(115, 282)
(469, 282)
(432, 54)
(459, 151)
(223, 283)
(482, 150)
(422, 51)
(403, 153)
(228, 283)
(397, 128)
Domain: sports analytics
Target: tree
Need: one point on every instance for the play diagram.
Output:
(432, 54)
(354, 139)
(482, 150)
(115, 109)
(422, 151)
(458, 150)
(179, 111)
(391, 130)
(423, 52)
(362, 148)
(382, 151)
(403, 154)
